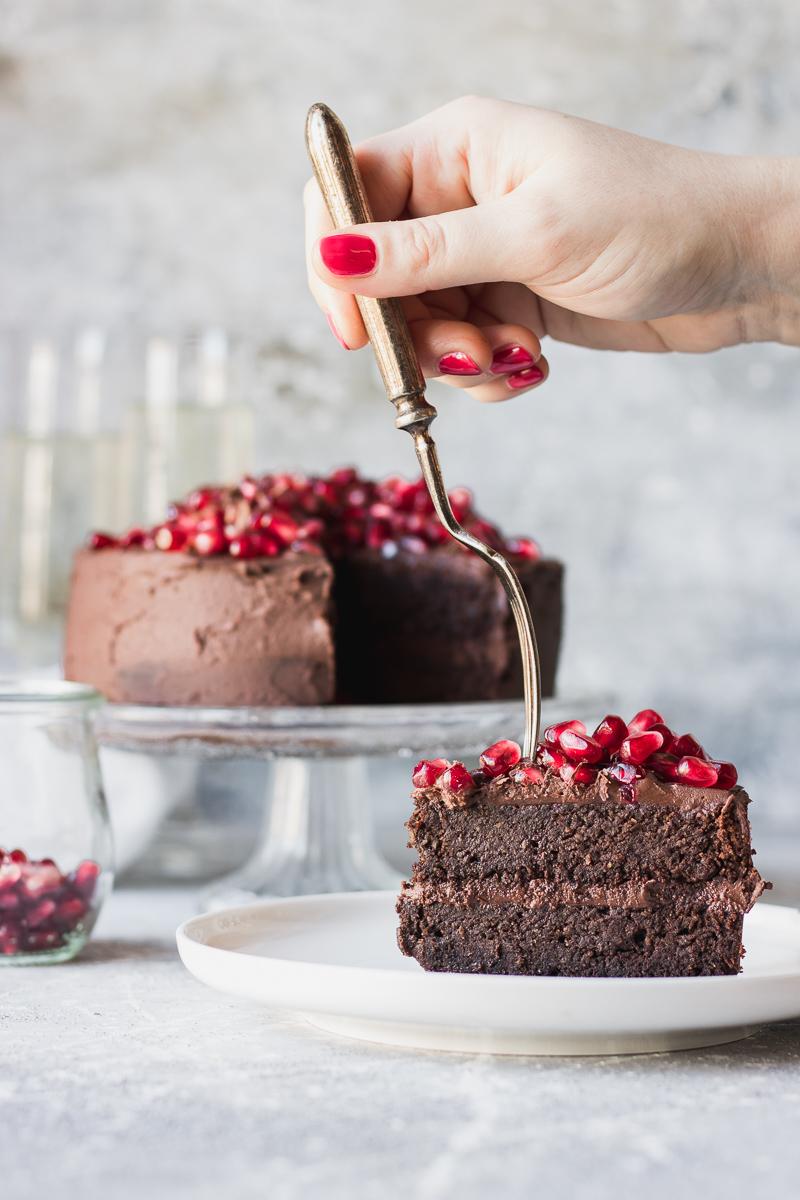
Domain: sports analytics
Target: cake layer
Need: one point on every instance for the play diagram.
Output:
(586, 836)
(683, 937)
(174, 629)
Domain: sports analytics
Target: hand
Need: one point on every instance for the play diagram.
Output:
(503, 224)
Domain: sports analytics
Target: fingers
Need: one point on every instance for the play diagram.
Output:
(495, 362)
(341, 310)
(425, 254)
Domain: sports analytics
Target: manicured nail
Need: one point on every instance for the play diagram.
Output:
(348, 253)
(335, 331)
(523, 379)
(510, 358)
(458, 363)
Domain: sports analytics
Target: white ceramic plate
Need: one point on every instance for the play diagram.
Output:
(334, 960)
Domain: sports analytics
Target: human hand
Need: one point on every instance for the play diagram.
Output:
(503, 224)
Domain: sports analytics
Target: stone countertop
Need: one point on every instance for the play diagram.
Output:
(122, 1076)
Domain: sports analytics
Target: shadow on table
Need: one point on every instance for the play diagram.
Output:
(110, 950)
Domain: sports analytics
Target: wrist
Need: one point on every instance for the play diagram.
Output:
(766, 220)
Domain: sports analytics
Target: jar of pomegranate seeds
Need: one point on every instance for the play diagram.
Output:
(55, 843)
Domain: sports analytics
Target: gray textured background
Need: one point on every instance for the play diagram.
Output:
(153, 165)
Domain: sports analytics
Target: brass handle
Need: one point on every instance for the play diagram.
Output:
(342, 188)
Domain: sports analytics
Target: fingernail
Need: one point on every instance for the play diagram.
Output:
(335, 331)
(510, 358)
(523, 379)
(348, 253)
(458, 363)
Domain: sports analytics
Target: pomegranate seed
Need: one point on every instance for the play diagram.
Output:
(206, 542)
(42, 939)
(202, 497)
(18, 856)
(40, 913)
(727, 775)
(170, 538)
(244, 546)
(525, 548)
(427, 771)
(645, 720)
(378, 533)
(9, 901)
(134, 537)
(457, 778)
(687, 746)
(638, 748)
(579, 747)
(529, 774)
(500, 757)
(412, 545)
(624, 772)
(343, 477)
(38, 880)
(280, 527)
(101, 541)
(311, 531)
(422, 501)
(552, 734)
(611, 733)
(85, 877)
(70, 912)
(10, 875)
(9, 937)
(697, 771)
(248, 487)
(583, 773)
(664, 765)
(550, 757)
(666, 733)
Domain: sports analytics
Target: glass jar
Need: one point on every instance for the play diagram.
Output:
(55, 862)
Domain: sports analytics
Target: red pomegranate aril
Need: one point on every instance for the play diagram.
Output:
(40, 913)
(727, 775)
(70, 912)
(312, 531)
(697, 771)
(134, 537)
(412, 545)
(38, 880)
(343, 476)
(42, 939)
(584, 773)
(378, 533)
(638, 748)
(548, 756)
(457, 778)
(644, 720)
(206, 542)
(201, 497)
(687, 746)
(10, 874)
(527, 774)
(248, 487)
(579, 747)
(611, 733)
(10, 937)
(170, 538)
(280, 527)
(427, 771)
(85, 877)
(552, 733)
(17, 856)
(244, 546)
(101, 541)
(500, 757)
(666, 733)
(664, 765)
(10, 902)
(525, 548)
(461, 503)
(625, 773)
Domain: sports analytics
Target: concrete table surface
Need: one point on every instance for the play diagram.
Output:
(122, 1077)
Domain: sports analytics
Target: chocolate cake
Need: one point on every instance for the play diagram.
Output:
(622, 853)
(296, 590)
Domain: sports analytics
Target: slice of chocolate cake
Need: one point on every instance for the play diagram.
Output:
(229, 602)
(623, 853)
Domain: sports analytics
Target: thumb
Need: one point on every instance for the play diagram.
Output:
(481, 244)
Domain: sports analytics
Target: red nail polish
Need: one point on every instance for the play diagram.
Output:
(348, 253)
(510, 358)
(458, 363)
(335, 331)
(523, 379)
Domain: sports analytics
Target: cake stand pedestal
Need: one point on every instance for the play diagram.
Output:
(318, 833)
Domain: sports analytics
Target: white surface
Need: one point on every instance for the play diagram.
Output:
(122, 1077)
(335, 959)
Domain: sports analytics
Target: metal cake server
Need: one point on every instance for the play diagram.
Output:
(343, 190)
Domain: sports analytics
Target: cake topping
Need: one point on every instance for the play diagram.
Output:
(340, 512)
(622, 752)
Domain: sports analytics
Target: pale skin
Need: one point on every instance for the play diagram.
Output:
(503, 225)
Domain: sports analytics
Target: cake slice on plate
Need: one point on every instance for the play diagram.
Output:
(625, 852)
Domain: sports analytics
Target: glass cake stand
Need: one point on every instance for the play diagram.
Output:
(318, 831)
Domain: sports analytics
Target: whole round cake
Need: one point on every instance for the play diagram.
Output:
(295, 590)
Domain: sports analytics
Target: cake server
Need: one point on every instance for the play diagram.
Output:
(343, 190)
